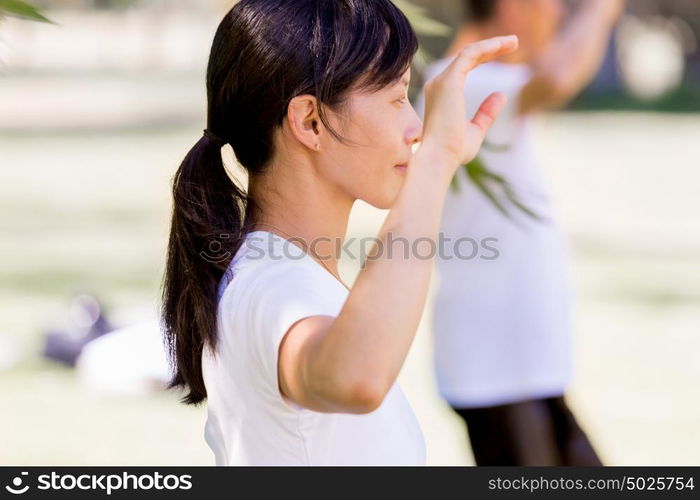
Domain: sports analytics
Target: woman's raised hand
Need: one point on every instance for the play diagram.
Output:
(445, 131)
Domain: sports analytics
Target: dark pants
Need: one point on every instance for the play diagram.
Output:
(532, 432)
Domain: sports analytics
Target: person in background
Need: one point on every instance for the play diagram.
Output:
(502, 319)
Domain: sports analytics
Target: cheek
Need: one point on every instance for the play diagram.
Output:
(355, 169)
(367, 177)
(374, 152)
(365, 169)
(368, 173)
(376, 127)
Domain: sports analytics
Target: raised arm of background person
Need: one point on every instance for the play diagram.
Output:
(348, 363)
(574, 57)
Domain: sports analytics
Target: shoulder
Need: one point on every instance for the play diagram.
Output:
(269, 292)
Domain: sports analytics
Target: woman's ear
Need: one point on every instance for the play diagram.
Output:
(304, 121)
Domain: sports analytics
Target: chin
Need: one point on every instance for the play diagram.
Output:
(382, 206)
(384, 192)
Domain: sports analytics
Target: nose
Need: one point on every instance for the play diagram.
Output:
(415, 136)
(415, 131)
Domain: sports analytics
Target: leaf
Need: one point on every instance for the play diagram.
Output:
(491, 196)
(495, 147)
(515, 201)
(482, 177)
(422, 23)
(477, 169)
(454, 184)
(18, 8)
(473, 169)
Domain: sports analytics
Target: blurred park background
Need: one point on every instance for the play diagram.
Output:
(98, 109)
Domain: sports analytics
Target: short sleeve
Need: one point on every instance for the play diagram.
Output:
(280, 296)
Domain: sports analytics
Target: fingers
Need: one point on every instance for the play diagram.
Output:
(489, 111)
(480, 52)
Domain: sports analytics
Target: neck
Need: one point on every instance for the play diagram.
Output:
(303, 207)
(471, 33)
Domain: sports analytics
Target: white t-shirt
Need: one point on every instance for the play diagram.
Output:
(501, 325)
(274, 285)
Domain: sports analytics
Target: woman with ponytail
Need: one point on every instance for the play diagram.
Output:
(295, 367)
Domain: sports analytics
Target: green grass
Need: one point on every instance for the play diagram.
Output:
(685, 99)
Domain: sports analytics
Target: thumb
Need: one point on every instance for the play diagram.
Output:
(488, 111)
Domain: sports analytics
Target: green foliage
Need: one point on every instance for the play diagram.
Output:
(498, 191)
(423, 25)
(421, 22)
(23, 10)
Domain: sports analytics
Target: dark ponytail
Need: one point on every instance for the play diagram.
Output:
(264, 53)
(207, 214)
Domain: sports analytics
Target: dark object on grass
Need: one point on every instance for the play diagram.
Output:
(86, 323)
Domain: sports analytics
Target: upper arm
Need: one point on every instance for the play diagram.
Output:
(291, 313)
(310, 375)
(296, 353)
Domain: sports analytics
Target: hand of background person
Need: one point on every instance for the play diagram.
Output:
(613, 8)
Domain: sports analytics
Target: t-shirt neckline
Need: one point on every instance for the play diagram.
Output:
(306, 255)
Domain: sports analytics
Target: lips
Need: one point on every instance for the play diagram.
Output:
(402, 167)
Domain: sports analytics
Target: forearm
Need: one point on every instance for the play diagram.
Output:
(351, 363)
(369, 340)
(577, 53)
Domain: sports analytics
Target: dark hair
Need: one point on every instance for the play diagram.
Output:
(481, 10)
(264, 53)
